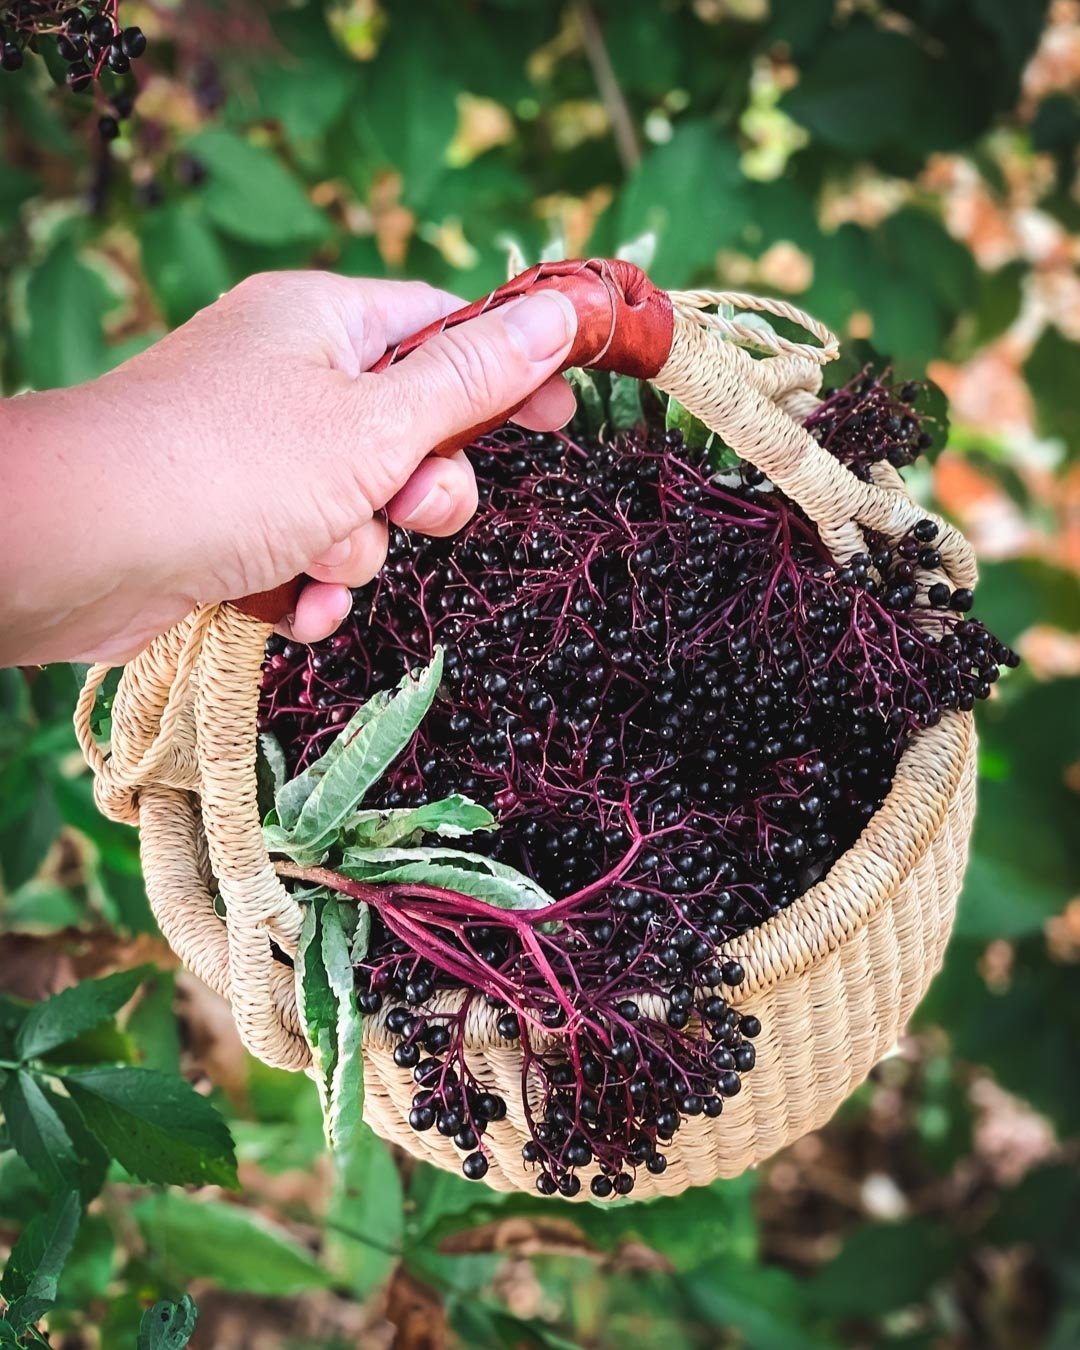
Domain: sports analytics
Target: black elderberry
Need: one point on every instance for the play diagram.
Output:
(939, 595)
(406, 1055)
(101, 31)
(11, 57)
(656, 1164)
(732, 973)
(422, 1117)
(475, 1166)
(601, 1187)
(962, 600)
(133, 42)
(508, 1026)
(750, 1026)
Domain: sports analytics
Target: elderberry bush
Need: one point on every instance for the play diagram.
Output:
(89, 41)
(681, 711)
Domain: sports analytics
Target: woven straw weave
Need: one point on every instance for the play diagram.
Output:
(834, 978)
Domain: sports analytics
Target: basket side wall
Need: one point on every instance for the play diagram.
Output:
(824, 1028)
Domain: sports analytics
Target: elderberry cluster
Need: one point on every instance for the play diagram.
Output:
(89, 39)
(870, 419)
(682, 711)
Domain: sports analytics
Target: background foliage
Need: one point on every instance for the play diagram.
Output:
(908, 170)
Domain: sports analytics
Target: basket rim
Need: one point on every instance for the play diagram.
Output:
(928, 777)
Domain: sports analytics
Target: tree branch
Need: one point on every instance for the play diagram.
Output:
(608, 87)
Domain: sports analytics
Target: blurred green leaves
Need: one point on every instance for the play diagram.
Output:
(251, 195)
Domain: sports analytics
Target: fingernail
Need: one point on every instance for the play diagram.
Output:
(541, 324)
(431, 510)
(336, 554)
(345, 606)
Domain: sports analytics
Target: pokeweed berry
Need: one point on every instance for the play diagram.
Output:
(682, 711)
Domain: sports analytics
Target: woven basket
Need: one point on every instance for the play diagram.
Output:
(833, 978)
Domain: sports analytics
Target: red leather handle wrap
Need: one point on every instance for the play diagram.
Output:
(624, 324)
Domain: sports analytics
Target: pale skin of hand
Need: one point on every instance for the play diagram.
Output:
(251, 445)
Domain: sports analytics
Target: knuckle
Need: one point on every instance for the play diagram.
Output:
(472, 369)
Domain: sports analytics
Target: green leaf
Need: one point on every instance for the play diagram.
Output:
(365, 1219)
(316, 1001)
(66, 303)
(467, 873)
(624, 405)
(234, 1248)
(33, 1269)
(183, 260)
(1013, 595)
(250, 195)
(452, 817)
(42, 907)
(695, 433)
(1050, 370)
(307, 84)
(590, 403)
(345, 1089)
(333, 1025)
(66, 1015)
(867, 90)
(1025, 854)
(90, 1267)
(157, 1127)
(359, 756)
(293, 796)
(764, 1303)
(41, 1126)
(410, 108)
(690, 194)
(168, 1325)
(882, 1267)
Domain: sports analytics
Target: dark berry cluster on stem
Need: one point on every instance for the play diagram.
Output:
(682, 710)
(871, 419)
(89, 39)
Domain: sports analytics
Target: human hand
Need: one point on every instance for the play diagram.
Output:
(249, 446)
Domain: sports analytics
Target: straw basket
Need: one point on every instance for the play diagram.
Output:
(833, 978)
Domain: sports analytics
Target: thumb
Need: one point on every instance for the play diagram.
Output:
(475, 374)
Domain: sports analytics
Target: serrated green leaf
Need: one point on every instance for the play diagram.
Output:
(293, 795)
(452, 817)
(467, 873)
(40, 1128)
(69, 1014)
(315, 999)
(345, 1094)
(363, 751)
(168, 1325)
(250, 194)
(157, 1127)
(33, 1269)
(234, 1248)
